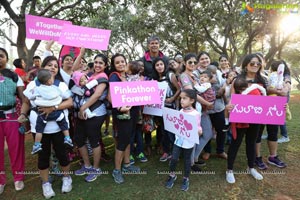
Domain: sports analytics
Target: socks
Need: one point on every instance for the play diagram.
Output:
(37, 143)
(126, 165)
(67, 137)
(226, 121)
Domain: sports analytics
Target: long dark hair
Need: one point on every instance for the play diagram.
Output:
(112, 62)
(258, 78)
(155, 73)
(49, 59)
(191, 93)
(201, 54)
(275, 64)
(18, 63)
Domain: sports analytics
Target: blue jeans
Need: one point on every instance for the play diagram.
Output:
(283, 130)
(186, 159)
(138, 138)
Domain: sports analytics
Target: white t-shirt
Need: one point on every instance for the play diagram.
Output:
(182, 142)
(51, 126)
(20, 83)
(66, 77)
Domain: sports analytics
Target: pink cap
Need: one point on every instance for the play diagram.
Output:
(76, 77)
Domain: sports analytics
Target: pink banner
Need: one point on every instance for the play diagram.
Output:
(258, 109)
(42, 28)
(91, 38)
(134, 93)
(181, 124)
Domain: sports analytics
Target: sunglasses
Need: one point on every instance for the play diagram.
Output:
(192, 62)
(255, 63)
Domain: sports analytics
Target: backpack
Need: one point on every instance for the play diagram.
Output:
(79, 94)
(8, 88)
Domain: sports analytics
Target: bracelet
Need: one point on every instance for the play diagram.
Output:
(24, 115)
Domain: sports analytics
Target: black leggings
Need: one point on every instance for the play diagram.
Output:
(57, 140)
(125, 128)
(272, 131)
(251, 135)
(91, 129)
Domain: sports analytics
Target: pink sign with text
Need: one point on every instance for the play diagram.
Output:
(181, 124)
(156, 109)
(91, 38)
(258, 109)
(134, 93)
(43, 28)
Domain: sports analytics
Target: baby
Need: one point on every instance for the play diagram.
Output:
(46, 95)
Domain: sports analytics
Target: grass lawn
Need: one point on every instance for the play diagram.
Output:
(150, 184)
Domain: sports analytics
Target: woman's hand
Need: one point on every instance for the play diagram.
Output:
(230, 107)
(169, 100)
(82, 114)
(124, 108)
(46, 110)
(22, 118)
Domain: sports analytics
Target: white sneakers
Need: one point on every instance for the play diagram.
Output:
(2, 188)
(66, 187)
(283, 139)
(255, 174)
(48, 191)
(19, 185)
(66, 184)
(230, 176)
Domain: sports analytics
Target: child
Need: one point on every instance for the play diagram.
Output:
(205, 79)
(47, 95)
(80, 79)
(276, 76)
(188, 103)
(230, 76)
(133, 74)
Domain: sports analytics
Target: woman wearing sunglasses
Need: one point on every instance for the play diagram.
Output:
(251, 73)
(189, 80)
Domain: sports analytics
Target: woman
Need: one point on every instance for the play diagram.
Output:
(224, 68)
(123, 128)
(251, 72)
(52, 135)
(161, 73)
(20, 65)
(90, 127)
(190, 81)
(9, 129)
(216, 114)
(272, 130)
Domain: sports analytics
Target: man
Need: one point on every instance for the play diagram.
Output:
(153, 52)
(35, 68)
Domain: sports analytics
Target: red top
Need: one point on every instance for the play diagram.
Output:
(22, 74)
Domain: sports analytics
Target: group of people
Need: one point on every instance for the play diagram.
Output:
(67, 106)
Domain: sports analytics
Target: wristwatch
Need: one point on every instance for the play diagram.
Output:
(56, 107)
